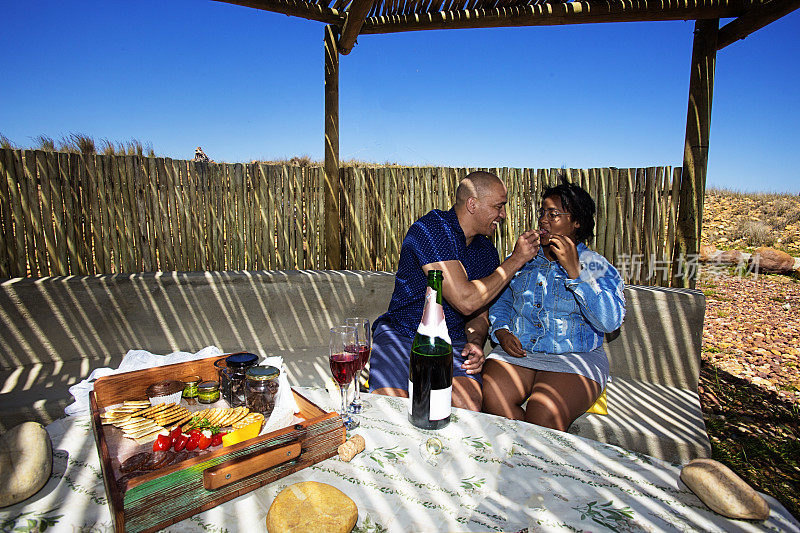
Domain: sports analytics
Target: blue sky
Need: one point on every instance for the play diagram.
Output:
(246, 85)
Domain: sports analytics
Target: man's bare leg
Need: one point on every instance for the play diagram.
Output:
(466, 393)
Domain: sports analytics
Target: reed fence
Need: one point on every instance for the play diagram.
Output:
(71, 214)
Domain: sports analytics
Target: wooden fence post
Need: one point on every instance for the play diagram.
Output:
(333, 222)
(695, 153)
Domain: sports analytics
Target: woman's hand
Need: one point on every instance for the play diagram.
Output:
(474, 358)
(510, 343)
(566, 253)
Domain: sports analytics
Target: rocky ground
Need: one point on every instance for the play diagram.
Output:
(752, 330)
(750, 376)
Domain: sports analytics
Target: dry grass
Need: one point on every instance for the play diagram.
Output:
(5, 142)
(132, 147)
(754, 232)
(80, 143)
(307, 161)
(43, 142)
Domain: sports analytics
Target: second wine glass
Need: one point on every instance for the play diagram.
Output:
(363, 348)
(343, 360)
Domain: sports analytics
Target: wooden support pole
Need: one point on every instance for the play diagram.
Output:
(695, 153)
(333, 222)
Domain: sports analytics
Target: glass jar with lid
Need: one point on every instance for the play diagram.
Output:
(208, 392)
(261, 388)
(190, 386)
(232, 376)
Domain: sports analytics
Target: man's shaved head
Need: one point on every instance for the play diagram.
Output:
(476, 184)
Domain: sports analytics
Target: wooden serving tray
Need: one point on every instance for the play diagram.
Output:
(157, 499)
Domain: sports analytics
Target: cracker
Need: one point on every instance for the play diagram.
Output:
(134, 422)
(211, 415)
(249, 419)
(155, 409)
(164, 420)
(228, 419)
(239, 413)
(148, 437)
(165, 412)
(137, 402)
(220, 415)
(199, 414)
(188, 416)
(143, 431)
(116, 420)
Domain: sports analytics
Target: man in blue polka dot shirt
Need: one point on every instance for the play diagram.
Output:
(457, 243)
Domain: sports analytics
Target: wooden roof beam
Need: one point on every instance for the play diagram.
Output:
(297, 8)
(754, 20)
(356, 15)
(546, 14)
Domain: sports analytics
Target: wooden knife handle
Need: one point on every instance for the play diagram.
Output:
(232, 471)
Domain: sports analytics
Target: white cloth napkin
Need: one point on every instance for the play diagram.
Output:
(285, 406)
(133, 360)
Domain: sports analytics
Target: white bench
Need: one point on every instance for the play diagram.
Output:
(55, 331)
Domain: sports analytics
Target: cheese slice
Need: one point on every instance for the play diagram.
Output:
(247, 432)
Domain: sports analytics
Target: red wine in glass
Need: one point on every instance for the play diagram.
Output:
(362, 352)
(344, 366)
(363, 356)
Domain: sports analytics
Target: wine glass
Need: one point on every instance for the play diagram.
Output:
(363, 348)
(344, 362)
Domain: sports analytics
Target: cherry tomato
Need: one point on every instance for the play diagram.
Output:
(181, 441)
(174, 435)
(205, 439)
(216, 438)
(163, 442)
(191, 444)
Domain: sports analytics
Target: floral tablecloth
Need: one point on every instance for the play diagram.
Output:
(493, 475)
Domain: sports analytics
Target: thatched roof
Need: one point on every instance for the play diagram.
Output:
(355, 17)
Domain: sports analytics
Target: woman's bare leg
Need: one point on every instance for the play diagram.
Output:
(505, 388)
(558, 398)
(466, 393)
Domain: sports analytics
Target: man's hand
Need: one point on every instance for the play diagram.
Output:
(510, 343)
(527, 246)
(474, 358)
(566, 253)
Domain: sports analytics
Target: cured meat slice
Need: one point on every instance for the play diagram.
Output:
(134, 462)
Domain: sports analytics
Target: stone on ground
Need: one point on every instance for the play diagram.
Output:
(707, 252)
(772, 260)
(730, 257)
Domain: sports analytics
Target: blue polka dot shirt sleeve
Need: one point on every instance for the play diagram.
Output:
(430, 244)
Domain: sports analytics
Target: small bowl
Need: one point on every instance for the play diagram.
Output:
(168, 391)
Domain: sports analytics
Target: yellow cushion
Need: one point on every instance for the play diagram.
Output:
(600, 406)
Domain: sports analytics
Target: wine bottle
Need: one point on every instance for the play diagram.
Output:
(430, 372)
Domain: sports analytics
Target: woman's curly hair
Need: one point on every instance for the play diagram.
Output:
(577, 202)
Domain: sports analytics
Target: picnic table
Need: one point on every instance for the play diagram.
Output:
(493, 475)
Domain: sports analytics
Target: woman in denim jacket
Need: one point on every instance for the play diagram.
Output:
(550, 321)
